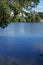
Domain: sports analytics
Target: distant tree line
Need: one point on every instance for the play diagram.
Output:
(40, 14)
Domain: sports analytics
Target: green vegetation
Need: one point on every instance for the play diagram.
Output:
(14, 11)
(41, 55)
(41, 14)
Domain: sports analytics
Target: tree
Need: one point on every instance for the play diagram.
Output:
(4, 13)
(18, 6)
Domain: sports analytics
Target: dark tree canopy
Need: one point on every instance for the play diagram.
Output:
(17, 6)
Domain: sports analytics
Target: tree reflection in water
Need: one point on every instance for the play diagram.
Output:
(3, 25)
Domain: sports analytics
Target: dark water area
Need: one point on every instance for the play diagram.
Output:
(21, 44)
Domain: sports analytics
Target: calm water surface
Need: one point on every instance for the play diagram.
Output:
(21, 44)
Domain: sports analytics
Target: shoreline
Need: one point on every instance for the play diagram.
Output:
(41, 20)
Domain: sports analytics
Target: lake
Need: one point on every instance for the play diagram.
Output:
(21, 44)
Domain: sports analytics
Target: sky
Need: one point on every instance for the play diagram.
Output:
(39, 8)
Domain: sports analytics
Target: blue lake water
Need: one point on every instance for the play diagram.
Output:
(21, 44)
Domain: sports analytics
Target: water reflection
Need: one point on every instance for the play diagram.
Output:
(20, 29)
(21, 44)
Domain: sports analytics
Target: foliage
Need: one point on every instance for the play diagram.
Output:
(4, 10)
(41, 14)
(6, 6)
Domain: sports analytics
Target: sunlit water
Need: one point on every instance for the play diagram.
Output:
(21, 44)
